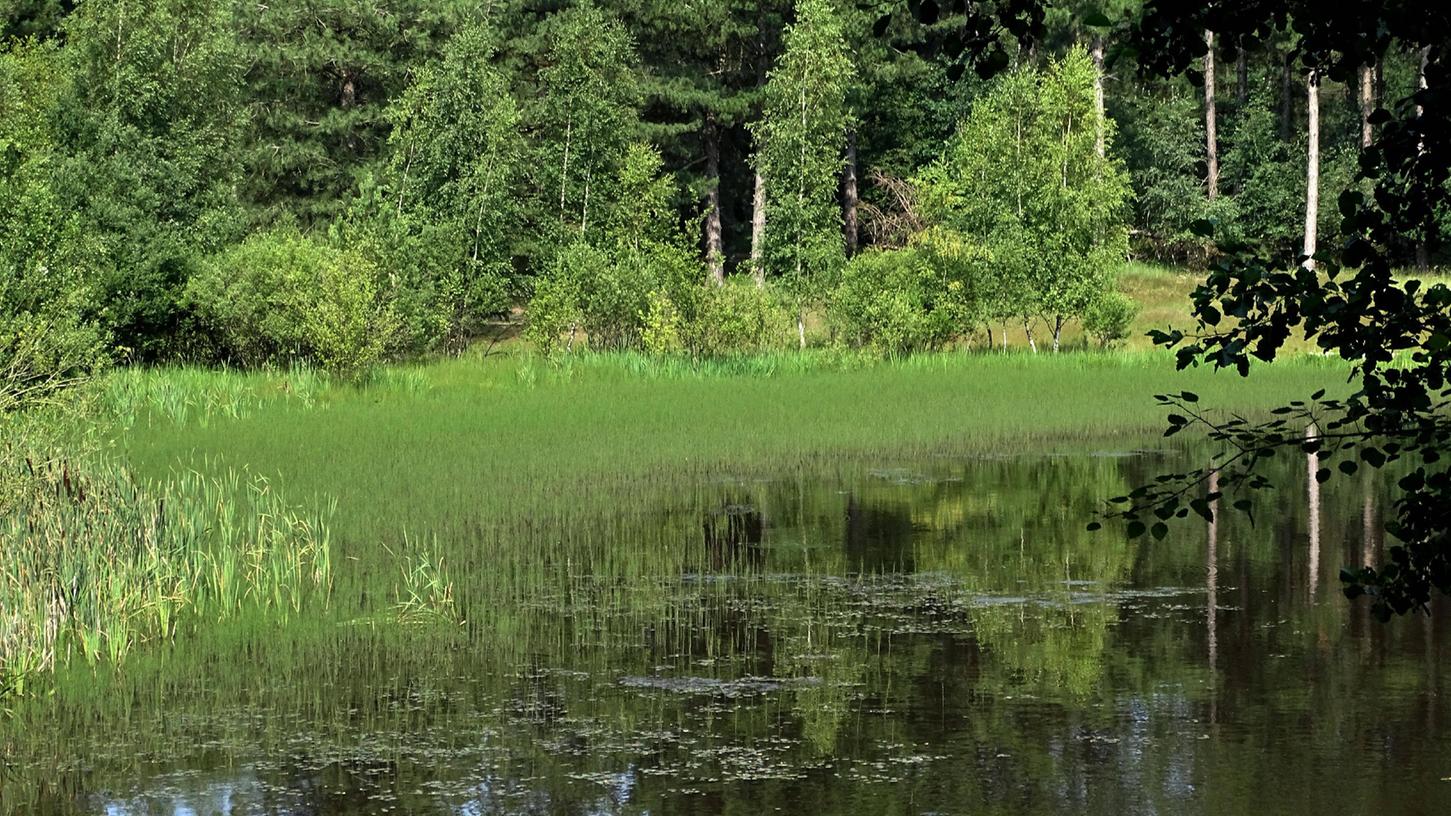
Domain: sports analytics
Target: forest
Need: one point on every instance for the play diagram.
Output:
(252, 184)
(635, 406)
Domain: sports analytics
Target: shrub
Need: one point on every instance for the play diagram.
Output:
(282, 296)
(607, 296)
(1109, 317)
(661, 334)
(348, 326)
(895, 302)
(41, 354)
(738, 317)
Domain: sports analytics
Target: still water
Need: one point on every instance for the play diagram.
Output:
(906, 637)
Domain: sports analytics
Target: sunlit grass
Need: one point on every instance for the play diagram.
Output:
(94, 563)
(468, 441)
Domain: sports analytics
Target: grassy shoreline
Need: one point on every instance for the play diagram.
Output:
(483, 453)
(499, 437)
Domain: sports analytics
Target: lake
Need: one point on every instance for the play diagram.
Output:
(925, 636)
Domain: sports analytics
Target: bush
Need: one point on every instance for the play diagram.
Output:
(1109, 317)
(895, 302)
(348, 326)
(282, 296)
(43, 354)
(738, 317)
(661, 335)
(608, 296)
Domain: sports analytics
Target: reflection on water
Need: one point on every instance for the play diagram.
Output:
(936, 637)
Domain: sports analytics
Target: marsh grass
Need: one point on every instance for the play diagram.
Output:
(94, 563)
(485, 453)
(517, 437)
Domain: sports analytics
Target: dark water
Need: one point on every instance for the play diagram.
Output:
(934, 637)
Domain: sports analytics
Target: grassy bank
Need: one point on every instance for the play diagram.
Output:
(455, 442)
(452, 466)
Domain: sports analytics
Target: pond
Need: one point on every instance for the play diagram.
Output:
(887, 637)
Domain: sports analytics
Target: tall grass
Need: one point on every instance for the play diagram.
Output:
(93, 562)
(487, 452)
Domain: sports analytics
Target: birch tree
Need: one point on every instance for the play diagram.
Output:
(1023, 178)
(801, 138)
(586, 117)
(456, 168)
(1312, 167)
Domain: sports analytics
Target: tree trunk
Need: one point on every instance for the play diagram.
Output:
(1367, 103)
(1241, 78)
(758, 231)
(1028, 331)
(1312, 169)
(801, 326)
(714, 256)
(849, 196)
(1286, 99)
(1210, 137)
(1057, 331)
(1005, 335)
(990, 344)
(1097, 54)
(1423, 252)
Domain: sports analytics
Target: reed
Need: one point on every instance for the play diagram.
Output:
(94, 562)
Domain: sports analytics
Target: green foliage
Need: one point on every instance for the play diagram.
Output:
(1163, 147)
(737, 317)
(283, 296)
(95, 562)
(661, 333)
(896, 301)
(610, 290)
(800, 139)
(348, 323)
(447, 220)
(47, 337)
(1109, 317)
(603, 297)
(148, 129)
(1023, 178)
(585, 116)
(1267, 176)
(318, 80)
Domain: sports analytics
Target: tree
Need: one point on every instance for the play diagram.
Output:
(319, 78)
(705, 64)
(458, 157)
(801, 137)
(1396, 335)
(584, 119)
(1024, 178)
(149, 130)
(1312, 171)
(1211, 137)
(47, 265)
(1367, 104)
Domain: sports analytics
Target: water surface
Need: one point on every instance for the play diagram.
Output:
(894, 637)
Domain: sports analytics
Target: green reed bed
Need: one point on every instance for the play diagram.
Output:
(94, 562)
(444, 470)
(470, 442)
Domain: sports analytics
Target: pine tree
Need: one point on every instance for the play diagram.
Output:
(321, 75)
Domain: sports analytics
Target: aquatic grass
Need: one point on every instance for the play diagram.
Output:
(424, 591)
(484, 445)
(193, 394)
(94, 562)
